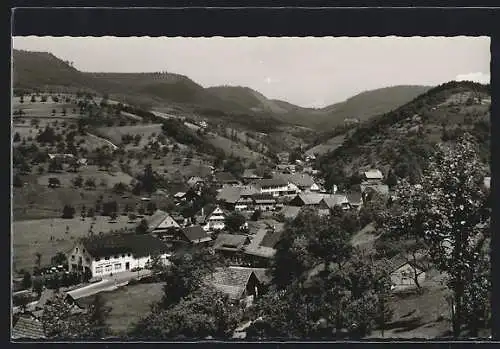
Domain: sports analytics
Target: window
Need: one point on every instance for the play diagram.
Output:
(106, 258)
(73, 257)
(118, 266)
(98, 270)
(123, 255)
(97, 259)
(108, 268)
(115, 257)
(77, 249)
(128, 255)
(83, 250)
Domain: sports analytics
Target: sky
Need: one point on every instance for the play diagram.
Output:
(310, 72)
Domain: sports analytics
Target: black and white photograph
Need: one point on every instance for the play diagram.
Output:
(250, 188)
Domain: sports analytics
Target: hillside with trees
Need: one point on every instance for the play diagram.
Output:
(34, 71)
(400, 142)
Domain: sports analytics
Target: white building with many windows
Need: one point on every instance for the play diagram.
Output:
(115, 253)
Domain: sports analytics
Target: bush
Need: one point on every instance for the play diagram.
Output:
(68, 212)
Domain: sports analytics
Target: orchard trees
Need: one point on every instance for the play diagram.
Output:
(450, 213)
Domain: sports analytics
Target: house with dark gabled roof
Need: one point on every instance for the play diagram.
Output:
(228, 196)
(113, 253)
(194, 234)
(250, 175)
(28, 327)
(161, 222)
(238, 283)
(222, 178)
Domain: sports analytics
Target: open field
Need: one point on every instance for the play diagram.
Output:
(101, 177)
(32, 236)
(129, 304)
(114, 134)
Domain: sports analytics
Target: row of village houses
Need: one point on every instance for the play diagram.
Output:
(287, 195)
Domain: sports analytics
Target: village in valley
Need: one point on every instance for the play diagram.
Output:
(165, 222)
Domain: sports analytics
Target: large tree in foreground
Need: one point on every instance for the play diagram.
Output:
(204, 313)
(450, 212)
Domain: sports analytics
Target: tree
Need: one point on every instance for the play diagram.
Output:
(148, 179)
(54, 182)
(55, 165)
(27, 282)
(109, 208)
(37, 286)
(451, 214)
(120, 188)
(256, 215)
(185, 275)
(68, 212)
(38, 260)
(234, 221)
(90, 183)
(200, 315)
(78, 181)
(59, 259)
(61, 323)
(142, 228)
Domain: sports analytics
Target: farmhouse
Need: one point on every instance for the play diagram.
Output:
(331, 201)
(283, 157)
(303, 181)
(246, 202)
(250, 175)
(238, 283)
(114, 253)
(228, 196)
(264, 202)
(307, 199)
(194, 235)
(402, 273)
(161, 222)
(215, 219)
(222, 178)
(193, 181)
(261, 248)
(231, 246)
(374, 176)
(275, 186)
(285, 169)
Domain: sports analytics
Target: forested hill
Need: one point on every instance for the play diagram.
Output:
(44, 71)
(402, 140)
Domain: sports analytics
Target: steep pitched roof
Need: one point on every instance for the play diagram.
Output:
(250, 174)
(300, 179)
(373, 174)
(156, 218)
(108, 244)
(310, 198)
(195, 234)
(230, 281)
(335, 200)
(28, 327)
(229, 194)
(230, 242)
(273, 182)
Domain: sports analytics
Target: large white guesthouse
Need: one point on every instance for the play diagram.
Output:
(114, 253)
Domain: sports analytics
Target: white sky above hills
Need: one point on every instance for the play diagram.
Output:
(310, 72)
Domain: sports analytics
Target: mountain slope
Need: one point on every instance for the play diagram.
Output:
(402, 140)
(369, 103)
(35, 70)
(39, 70)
